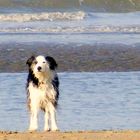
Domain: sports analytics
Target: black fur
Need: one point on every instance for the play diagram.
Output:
(55, 83)
(31, 77)
(52, 62)
(30, 61)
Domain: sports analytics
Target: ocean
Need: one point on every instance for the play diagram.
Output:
(88, 100)
(70, 21)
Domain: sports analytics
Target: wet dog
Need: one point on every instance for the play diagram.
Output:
(42, 91)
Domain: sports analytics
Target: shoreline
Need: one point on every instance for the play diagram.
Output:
(73, 135)
(72, 58)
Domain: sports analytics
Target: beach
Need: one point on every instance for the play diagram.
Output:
(97, 47)
(81, 135)
(71, 58)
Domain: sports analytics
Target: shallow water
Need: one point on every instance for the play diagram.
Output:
(88, 101)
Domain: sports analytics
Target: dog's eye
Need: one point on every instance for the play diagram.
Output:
(44, 62)
(35, 62)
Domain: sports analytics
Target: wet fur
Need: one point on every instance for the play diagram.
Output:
(47, 93)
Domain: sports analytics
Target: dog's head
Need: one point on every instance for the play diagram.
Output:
(41, 64)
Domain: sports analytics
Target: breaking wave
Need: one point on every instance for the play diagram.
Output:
(50, 16)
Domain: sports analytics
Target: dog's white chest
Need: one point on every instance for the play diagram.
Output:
(41, 93)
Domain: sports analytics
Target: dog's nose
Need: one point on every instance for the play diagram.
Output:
(39, 68)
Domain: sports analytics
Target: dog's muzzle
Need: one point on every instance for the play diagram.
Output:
(39, 68)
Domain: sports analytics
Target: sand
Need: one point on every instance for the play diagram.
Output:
(80, 135)
(98, 58)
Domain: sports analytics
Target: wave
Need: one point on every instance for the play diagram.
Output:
(22, 17)
(93, 5)
(76, 29)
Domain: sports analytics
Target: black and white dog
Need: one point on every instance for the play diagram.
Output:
(42, 91)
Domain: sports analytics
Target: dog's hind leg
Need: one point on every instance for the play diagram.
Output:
(52, 112)
(46, 126)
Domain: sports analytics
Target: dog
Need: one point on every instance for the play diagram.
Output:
(42, 91)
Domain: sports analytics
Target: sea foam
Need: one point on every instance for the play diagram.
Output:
(26, 17)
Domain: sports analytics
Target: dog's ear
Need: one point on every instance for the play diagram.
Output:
(52, 62)
(30, 60)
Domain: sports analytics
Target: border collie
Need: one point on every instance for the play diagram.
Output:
(42, 91)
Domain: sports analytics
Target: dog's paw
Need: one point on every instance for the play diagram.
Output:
(32, 130)
(55, 130)
(47, 130)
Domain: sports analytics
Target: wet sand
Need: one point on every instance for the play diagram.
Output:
(72, 58)
(80, 135)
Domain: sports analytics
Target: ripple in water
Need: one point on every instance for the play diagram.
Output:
(88, 101)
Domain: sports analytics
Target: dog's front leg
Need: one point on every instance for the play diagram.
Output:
(33, 120)
(52, 112)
